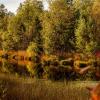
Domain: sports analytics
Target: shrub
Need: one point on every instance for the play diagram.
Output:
(35, 51)
(30, 70)
(32, 48)
(38, 70)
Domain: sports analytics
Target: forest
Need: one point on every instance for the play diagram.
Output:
(50, 54)
(68, 29)
(67, 26)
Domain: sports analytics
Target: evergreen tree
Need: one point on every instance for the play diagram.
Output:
(58, 28)
(85, 38)
(95, 13)
(25, 25)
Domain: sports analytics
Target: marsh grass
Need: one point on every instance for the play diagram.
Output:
(34, 89)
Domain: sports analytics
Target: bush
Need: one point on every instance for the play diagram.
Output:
(32, 48)
(38, 70)
(35, 51)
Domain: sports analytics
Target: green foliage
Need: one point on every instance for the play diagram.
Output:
(34, 50)
(58, 27)
(4, 19)
(95, 13)
(16, 29)
(30, 19)
(30, 69)
(32, 47)
(79, 34)
(67, 26)
(59, 31)
(25, 25)
(9, 41)
(85, 38)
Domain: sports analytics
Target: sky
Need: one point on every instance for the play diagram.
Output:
(12, 5)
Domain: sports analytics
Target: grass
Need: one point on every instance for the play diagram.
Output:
(34, 89)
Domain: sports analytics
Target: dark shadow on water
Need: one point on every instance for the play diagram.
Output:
(15, 67)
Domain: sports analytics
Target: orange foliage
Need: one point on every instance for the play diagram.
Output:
(48, 57)
(95, 93)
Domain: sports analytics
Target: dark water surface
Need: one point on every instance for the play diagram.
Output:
(16, 67)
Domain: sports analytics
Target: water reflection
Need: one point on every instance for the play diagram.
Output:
(28, 68)
(16, 67)
(45, 70)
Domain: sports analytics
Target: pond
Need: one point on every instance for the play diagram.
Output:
(53, 69)
(16, 67)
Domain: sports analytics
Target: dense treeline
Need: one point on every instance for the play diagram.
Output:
(67, 26)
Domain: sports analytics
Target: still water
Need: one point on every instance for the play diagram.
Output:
(16, 67)
(43, 70)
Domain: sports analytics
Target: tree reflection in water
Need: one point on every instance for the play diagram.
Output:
(20, 68)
